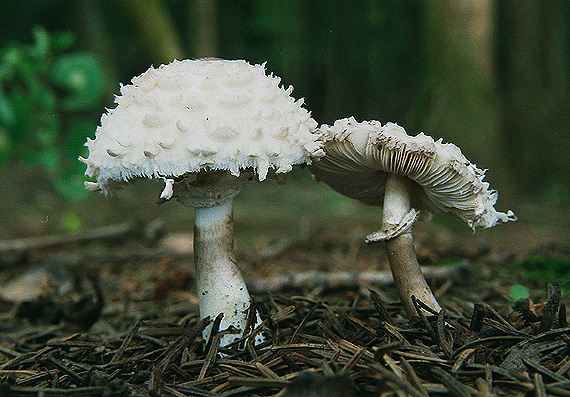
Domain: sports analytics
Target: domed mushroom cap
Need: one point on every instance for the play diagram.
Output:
(206, 114)
(360, 156)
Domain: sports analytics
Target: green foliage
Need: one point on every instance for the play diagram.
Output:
(517, 292)
(80, 74)
(71, 222)
(543, 268)
(49, 99)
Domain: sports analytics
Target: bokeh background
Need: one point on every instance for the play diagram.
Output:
(492, 77)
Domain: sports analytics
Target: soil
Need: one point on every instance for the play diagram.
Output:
(116, 314)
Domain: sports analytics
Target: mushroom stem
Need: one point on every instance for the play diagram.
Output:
(406, 271)
(220, 285)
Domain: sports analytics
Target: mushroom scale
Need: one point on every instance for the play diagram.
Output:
(193, 115)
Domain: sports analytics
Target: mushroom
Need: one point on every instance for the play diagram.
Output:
(207, 127)
(382, 165)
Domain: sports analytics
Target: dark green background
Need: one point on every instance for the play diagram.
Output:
(491, 76)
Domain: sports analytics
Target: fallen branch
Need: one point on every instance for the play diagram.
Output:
(460, 274)
(149, 233)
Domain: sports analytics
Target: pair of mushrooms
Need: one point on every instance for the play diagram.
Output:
(208, 127)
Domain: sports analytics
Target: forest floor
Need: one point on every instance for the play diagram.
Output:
(98, 299)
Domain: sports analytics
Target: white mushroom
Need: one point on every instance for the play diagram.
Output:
(384, 166)
(206, 127)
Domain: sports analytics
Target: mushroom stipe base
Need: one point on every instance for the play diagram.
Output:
(220, 285)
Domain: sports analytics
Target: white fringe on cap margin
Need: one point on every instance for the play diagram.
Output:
(360, 156)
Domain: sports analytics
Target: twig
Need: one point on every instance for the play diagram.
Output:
(540, 390)
(462, 359)
(442, 335)
(258, 382)
(192, 391)
(418, 305)
(380, 307)
(126, 342)
(543, 370)
(112, 232)
(413, 377)
(489, 339)
(303, 322)
(392, 377)
(338, 280)
(354, 359)
(44, 391)
(507, 327)
(455, 387)
(479, 313)
(23, 357)
(189, 335)
(549, 310)
(59, 366)
(210, 357)
(266, 371)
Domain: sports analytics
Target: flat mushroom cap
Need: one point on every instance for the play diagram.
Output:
(360, 156)
(195, 115)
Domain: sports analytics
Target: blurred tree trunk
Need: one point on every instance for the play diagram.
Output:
(156, 29)
(457, 100)
(91, 24)
(203, 33)
(533, 75)
(339, 98)
(372, 58)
